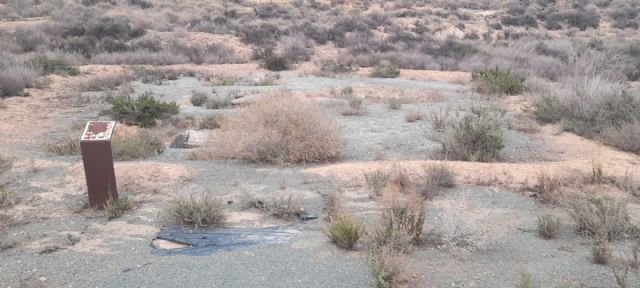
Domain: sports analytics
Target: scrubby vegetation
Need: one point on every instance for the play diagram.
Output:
(199, 98)
(477, 136)
(137, 146)
(345, 231)
(593, 102)
(143, 110)
(376, 180)
(65, 146)
(5, 196)
(600, 216)
(196, 210)
(114, 208)
(280, 129)
(498, 81)
(387, 267)
(437, 177)
(400, 224)
(385, 69)
(548, 226)
(280, 205)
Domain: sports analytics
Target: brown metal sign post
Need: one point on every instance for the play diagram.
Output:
(95, 145)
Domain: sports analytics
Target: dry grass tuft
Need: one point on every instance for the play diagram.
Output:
(600, 250)
(525, 281)
(197, 211)
(437, 176)
(65, 146)
(345, 231)
(376, 181)
(400, 224)
(6, 197)
(279, 129)
(279, 205)
(600, 215)
(138, 146)
(549, 187)
(387, 266)
(400, 180)
(439, 119)
(548, 226)
(116, 208)
(629, 183)
(332, 206)
(464, 223)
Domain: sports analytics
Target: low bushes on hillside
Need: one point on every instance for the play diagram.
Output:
(279, 129)
(385, 69)
(276, 63)
(14, 79)
(593, 103)
(48, 66)
(498, 81)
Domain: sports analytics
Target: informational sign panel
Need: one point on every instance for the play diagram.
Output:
(95, 145)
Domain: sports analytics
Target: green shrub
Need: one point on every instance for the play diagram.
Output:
(48, 66)
(345, 231)
(547, 110)
(478, 136)
(498, 81)
(116, 208)
(600, 215)
(548, 226)
(141, 111)
(197, 211)
(139, 146)
(276, 63)
(385, 69)
(199, 98)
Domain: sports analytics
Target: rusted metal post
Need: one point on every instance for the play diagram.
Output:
(95, 145)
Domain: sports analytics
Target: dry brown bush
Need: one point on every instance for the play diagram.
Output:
(549, 186)
(279, 129)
